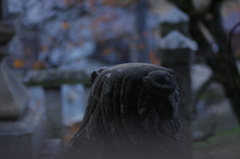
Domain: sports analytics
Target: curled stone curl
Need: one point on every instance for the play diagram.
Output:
(165, 128)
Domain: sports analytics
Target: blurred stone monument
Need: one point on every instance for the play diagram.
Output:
(22, 128)
(64, 93)
(13, 95)
(176, 52)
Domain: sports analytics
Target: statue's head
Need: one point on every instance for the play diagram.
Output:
(132, 107)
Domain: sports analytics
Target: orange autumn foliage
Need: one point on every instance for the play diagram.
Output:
(70, 131)
(65, 26)
(153, 59)
(107, 51)
(108, 2)
(141, 46)
(38, 65)
(50, 38)
(70, 44)
(117, 2)
(18, 63)
(67, 2)
(44, 48)
(27, 51)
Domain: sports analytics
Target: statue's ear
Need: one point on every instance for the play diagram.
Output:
(160, 83)
(96, 73)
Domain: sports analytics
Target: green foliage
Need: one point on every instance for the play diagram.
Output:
(231, 133)
(211, 95)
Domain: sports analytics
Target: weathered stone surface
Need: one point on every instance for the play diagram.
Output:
(23, 138)
(132, 113)
(13, 94)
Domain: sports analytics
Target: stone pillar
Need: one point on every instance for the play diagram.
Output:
(54, 112)
(176, 53)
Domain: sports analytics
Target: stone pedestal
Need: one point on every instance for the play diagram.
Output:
(23, 139)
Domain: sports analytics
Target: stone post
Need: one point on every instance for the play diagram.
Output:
(176, 53)
(54, 112)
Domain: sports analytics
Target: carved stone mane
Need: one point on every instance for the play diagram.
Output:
(132, 113)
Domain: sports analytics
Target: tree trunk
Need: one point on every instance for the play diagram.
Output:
(216, 61)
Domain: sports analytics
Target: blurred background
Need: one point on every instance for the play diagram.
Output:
(48, 49)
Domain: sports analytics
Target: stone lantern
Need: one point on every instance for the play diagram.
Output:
(22, 129)
(176, 51)
(13, 94)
